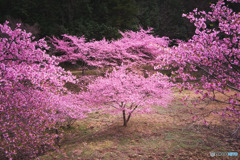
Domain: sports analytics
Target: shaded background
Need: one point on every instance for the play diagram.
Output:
(102, 18)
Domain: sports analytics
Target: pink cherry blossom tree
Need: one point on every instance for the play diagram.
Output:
(133, 48)
(32, 95)
(209, 62)
(123, 91)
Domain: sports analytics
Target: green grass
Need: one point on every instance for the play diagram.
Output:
(165, 134)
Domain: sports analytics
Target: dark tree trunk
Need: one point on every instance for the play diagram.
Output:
(125, 118)
(57, 139)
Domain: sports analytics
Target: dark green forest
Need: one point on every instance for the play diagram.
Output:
(96, 19)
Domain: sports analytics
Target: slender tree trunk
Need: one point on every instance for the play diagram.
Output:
(57, 139)
(126, 118)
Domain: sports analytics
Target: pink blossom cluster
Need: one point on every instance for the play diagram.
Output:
(123, 91)
(32, 95)
(132, 48)
(209, 62)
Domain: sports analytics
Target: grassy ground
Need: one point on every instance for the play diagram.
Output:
(167, 134)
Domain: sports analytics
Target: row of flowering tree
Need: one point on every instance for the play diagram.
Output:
(208, 63)
(35, 103)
